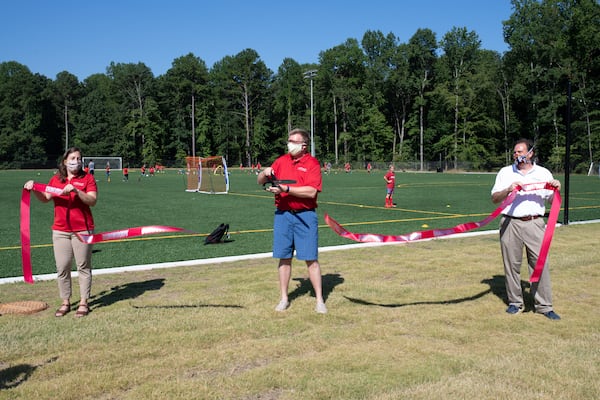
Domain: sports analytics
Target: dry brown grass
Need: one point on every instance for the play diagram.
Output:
(418, 321)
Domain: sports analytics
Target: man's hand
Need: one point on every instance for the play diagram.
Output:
(276, 189)
(268, 171)
(513, 186)
(497, 197)
(265, 176)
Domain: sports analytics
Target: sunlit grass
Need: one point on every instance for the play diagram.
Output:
(418, 321)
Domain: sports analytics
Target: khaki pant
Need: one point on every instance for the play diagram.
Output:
(514, 235)
(66, 247)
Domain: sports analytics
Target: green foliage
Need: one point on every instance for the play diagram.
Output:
(376, 99)
(556, 157)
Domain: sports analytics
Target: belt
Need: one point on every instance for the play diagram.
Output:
(299, 211)
(527, 218)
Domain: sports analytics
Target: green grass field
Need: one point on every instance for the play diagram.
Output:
(355, 200)
(418, 321)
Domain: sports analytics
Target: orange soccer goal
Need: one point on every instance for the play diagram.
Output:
(207, 175)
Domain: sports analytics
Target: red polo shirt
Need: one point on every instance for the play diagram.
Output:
(70, 213)
(306, 171)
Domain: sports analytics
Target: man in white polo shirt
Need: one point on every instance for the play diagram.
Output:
(522, 225)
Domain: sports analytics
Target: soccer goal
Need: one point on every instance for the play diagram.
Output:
(593, 169)
(116, 163)
(207, 175)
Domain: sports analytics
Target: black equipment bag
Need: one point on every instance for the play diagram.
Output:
(216, 236)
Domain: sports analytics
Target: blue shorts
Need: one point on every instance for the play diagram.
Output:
(389, 190)
(296, 231)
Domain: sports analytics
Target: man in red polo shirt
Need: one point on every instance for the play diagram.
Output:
(296, 224)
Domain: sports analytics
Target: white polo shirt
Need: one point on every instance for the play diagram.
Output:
(526, 203)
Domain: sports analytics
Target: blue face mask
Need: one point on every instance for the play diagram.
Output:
(523, 158)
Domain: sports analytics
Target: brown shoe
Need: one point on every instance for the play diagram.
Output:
(63, 310)
(82, 311)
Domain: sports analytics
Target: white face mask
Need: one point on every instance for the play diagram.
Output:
(73, 166)
(294, 148)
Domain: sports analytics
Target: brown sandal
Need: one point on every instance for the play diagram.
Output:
(63, 310)
(82, 310)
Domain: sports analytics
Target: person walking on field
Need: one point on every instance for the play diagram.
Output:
(91, 167)
(295, 224)
(390, 180)
(522, 225)
(72, 215)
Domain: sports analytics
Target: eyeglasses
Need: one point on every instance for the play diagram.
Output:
(296, 141)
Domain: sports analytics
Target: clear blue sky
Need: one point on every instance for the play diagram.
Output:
(84, 37)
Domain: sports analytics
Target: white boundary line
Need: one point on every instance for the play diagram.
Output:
(220, 260)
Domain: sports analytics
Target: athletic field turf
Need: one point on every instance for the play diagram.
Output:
(355, 200)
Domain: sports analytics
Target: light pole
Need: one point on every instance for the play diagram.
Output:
(193, 128)
(310, 75)
(66, 127)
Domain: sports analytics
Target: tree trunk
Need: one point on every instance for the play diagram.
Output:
(66, 126)
(247, 123)
(335, 130)
(421, 117)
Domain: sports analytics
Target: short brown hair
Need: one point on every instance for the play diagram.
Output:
(299, 131)
(526, 142)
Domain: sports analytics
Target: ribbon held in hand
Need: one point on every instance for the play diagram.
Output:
(26, 236)
(433, 233)
(126, 233)
(85, 238)
(25, 226)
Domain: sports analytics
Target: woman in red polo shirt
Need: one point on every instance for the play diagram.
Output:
(71, 214)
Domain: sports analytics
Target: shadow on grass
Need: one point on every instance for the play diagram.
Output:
(192, 306)
(329, 282)
(127, 291)
(498, 288)
(133, 290)
(12, 377)
(496, 284)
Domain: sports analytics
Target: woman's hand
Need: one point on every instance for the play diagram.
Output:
(70, 189)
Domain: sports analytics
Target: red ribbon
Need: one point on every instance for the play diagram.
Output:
(548, 235)
(433, 233)
(126, 233)
(25, 236)
(85, 238)
(25, 227)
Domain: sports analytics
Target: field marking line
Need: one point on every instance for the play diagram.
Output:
(220, 260)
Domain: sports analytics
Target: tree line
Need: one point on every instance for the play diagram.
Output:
(374, 100)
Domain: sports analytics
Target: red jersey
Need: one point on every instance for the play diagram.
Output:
(392, 178)
(306, 171)
(70, 213)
